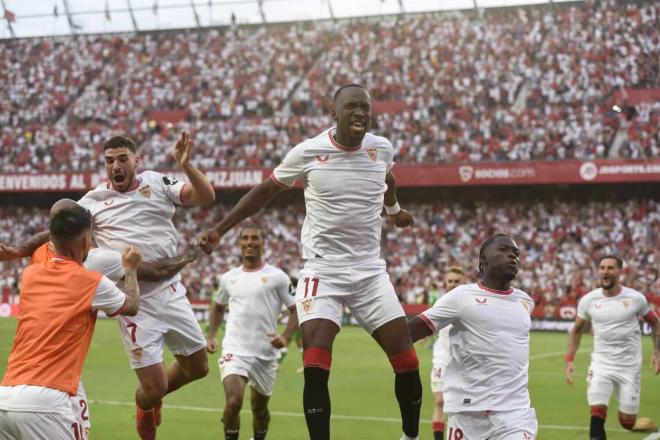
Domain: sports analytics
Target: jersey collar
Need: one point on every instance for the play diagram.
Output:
(499, 292)
(340, 146)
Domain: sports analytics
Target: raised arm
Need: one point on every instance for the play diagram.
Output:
(199, 191)
(250, 204)
(400, 217)
(167, 267)
(574, 337)
(216, 316)
(8, 253)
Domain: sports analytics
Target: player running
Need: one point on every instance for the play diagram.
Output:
(59, 300)
(255, 293)
(346, 176)
(616, 362)
(454, 277)
(485, 383)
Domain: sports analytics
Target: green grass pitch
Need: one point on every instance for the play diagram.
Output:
(361, 386)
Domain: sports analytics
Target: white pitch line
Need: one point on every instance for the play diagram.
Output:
(334, 416)
(552, 354)
(654, 436)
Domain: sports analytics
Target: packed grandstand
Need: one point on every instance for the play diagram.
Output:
(574, 82)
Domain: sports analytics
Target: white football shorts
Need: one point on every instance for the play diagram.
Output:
(365, 288)
(517, 424)
(165, 318)
(37, 426)
(625, 382)
(260, 373)
(80, 410)
(437, 373)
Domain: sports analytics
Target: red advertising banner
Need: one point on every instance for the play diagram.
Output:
(502, 173)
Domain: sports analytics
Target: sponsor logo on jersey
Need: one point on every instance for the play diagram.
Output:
(306, 305)
(145, 191)
(467, 401)
(108, 202)
(373, 154)
(169, 180)
(137, 353)
(264, 280)
(322, 159)
(233, 281)
(483, 300)
(626, 303)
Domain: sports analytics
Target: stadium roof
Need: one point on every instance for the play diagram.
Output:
(49, 17)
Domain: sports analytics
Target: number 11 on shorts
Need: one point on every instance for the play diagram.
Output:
(315, 286)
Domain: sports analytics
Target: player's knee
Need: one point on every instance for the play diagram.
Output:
(599, 411)
(154, 390)
(234, 403)
(260, 412)
(439, 400)
(627, 421)
(405, 362)
(200, 370)
(317, 357)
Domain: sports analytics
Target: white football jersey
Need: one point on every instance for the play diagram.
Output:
(105, 261)
(344, 191)
(441, 348)
(141, 218)
(616, 326)
(489, 344)
(255, 299)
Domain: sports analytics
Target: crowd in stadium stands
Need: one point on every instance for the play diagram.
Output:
(454, 84)
(560, 243)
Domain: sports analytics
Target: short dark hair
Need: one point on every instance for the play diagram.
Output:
(346, 86)
(619, 261)
(262, 233)
(120, 141)
(67, 224)
(482, 251)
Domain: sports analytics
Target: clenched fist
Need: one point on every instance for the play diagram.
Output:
(208, 240)
(131, 259)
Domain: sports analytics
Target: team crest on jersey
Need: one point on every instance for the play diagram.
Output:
(322, 159)
(372, 153)
(145, 191)
(137, 353)
(264, 280)
(306, 305)
(481, 301)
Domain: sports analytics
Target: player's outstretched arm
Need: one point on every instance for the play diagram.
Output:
(419, 329)
(200, 190)
(131, 259)
(281, 341)
(167, 267)
(8, 253)
(400, 217)
(574, 337)
(216, 315)
(251, 203)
